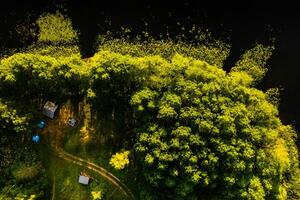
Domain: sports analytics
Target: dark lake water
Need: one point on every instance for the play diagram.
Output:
(245, 23)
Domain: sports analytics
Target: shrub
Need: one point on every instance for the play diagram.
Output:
(119, 160)
(56, 28)
(26, 172)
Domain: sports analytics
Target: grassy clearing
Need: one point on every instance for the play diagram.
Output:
(104, 142)
(64, 175)
(66, 181)
(100, 154)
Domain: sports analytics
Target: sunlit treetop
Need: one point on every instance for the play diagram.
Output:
(214, 52)
(254, 61)
(56, 28)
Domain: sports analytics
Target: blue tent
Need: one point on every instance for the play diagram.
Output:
(41, 124)
(36, 138)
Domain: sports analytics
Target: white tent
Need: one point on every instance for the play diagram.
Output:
(84, 180)
(49, 109)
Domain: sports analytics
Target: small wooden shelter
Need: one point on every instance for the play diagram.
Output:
(49, 109)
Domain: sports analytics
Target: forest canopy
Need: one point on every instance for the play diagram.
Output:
(197, 131)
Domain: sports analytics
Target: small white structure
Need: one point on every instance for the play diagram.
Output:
(72, 122)
(49, 109)
(83, 180)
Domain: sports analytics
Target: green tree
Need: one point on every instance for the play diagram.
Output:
(37, 76)
(212, 131)
(55, 28)
(10, 121)
(254, 61)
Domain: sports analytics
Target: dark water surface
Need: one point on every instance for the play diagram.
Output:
(245, 23)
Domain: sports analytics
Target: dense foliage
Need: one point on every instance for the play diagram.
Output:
(22, 175)
(204, 131)
(96, 195)
(214, 52)
(197, 132)
(55, 28)
(10, 121)
(120, 160)
(254, 61)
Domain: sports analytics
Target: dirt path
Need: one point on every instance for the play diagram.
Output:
(96, 168)
(53, 189)
(54, 137)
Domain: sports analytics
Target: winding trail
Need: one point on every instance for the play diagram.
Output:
(53, 135)
(96, 168)
(53, 189)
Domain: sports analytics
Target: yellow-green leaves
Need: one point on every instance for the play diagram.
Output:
(214, 127)
(56, 37)
(91, 94)
(10, 121)
(214, 54)
(281, 155)
(182, 132)
(96, 195)
(26, 173)
(195, 127)
(56, 28)
(149, 159)
(166, 112)
(255, 190)
(241, 78)
(273, 95)
(254, 61)
(120, 160)
(37, 75)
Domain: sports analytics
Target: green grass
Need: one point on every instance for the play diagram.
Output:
(100, 150)
(64, 175)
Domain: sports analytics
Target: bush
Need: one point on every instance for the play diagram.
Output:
(56, 28)
(202, 130)
(26, 173)
(254, 61)
(119, 160)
